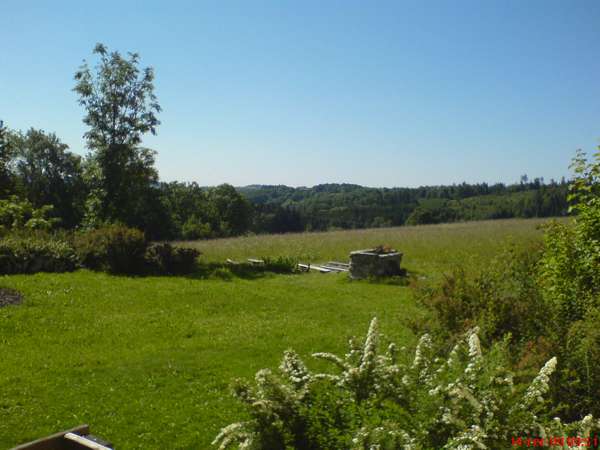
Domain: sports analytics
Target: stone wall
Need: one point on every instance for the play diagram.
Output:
(370, 263)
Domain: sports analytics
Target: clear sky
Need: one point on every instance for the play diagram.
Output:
(305, 92)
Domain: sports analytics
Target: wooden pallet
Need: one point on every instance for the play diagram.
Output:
(309, 267)
(331, 266)
(337, 266)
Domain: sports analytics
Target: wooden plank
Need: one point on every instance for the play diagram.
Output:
(338, 264)
(335, 268)
(54, 441)
(83, 442)
(321, 269)
(304, 267)
(255, 261)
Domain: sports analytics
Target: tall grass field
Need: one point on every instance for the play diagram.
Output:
(147, 361)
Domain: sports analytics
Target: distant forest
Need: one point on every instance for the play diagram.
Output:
(40, 177)
(280, 209)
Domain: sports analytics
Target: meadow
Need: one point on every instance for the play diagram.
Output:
(147, 361)
(429, 249)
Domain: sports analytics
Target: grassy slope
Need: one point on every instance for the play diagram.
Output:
(147, 361)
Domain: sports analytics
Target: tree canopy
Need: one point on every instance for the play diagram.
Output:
(120, 107)
(118, 98)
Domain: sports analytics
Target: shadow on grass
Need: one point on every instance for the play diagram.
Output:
(405, 278)
(205, 271)
(227, 272)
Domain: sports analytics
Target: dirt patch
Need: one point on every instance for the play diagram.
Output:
(10, 297)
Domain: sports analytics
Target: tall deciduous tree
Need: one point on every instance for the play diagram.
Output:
(121, 107)
(119, 99)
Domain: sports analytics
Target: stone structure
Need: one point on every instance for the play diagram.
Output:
(375, 262)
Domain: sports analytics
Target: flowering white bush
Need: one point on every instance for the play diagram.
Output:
(393, 401)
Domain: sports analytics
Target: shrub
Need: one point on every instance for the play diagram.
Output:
(280, 264)
(570, 282)
(578, 383)
(388, 401)
(30, 254)
(165, 259)
(223, 273)
(504, 297)
(548, 300)
(571, 264)
(113, 248)
(18, 214)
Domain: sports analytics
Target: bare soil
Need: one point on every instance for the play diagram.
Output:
(9, 297)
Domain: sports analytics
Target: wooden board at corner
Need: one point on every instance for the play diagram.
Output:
(77, 438)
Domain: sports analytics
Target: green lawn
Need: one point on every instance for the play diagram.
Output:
(147, 361)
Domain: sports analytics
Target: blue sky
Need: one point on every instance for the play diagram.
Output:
(306, 92)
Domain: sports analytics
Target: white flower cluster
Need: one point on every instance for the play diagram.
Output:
(363, 370)
(421, 364)
(473, 438)
(386, 436)
(368, 359)
(474, 345)
(294, 369)
(235, 433)
(467, 401)
(539, 386)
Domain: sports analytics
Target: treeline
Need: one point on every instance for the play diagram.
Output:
(41, 172)
(322, 207)
(40, 168)
(44, 184)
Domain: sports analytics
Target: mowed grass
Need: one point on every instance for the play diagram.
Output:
(147, 361)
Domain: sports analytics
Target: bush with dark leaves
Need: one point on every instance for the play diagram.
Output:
(165, 259)
(114, 248)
